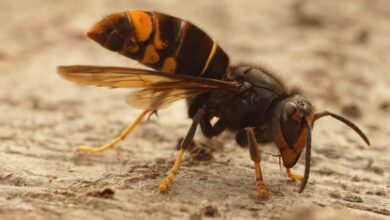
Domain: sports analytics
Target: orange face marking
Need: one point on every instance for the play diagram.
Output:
(289, 154)
(169, 65)
(151, 56)
(288, 157)
(142, 23)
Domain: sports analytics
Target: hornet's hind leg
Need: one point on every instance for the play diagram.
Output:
(185, 144)
(200, 151)
(115, 141)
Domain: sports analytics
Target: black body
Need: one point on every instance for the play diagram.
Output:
(251, 107)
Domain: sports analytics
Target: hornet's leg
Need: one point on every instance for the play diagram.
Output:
(255, 156)
(293, 177)
(201, 152)
(185, 144)
(115, 141)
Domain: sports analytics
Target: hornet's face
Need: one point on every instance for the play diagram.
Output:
(290, 127)
(293, 118)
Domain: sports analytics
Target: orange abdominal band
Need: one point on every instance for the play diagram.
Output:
(142, 24)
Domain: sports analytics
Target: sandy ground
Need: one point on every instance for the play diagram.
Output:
(338, 52)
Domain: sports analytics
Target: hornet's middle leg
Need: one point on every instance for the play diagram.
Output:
(185, 144)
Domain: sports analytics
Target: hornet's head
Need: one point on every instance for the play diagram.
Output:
(291, 126)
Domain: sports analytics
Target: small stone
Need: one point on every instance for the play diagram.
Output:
(352, 111)
(353, 198)
(107, 193)
(384, 106)
(210, 211)
(335, 195)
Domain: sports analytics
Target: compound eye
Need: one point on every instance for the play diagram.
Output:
(291, 123)
(289, 109)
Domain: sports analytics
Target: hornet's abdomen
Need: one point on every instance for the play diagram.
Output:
(163, 42)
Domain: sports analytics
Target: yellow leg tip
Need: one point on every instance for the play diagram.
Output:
(87, 149)
(163, 188)
(168, 180)
(296, 178)
(293, 177)
(261, 190)
(262, 193)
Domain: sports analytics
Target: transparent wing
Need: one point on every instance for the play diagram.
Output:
(118, 77)
(153, 99)
(159, 89)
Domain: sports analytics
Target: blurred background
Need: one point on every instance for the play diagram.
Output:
(337, 52)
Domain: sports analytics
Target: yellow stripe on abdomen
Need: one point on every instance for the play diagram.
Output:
(211, 55)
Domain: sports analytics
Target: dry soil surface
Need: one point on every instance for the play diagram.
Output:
(338, 52)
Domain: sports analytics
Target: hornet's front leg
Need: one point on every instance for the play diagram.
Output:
(256, 157)
(293, 177)
(185, 145)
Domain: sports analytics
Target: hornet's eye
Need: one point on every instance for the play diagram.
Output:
(289, 109)
(291, 122)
